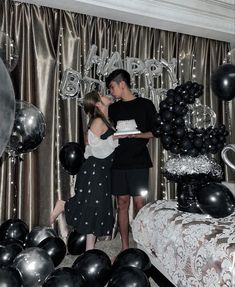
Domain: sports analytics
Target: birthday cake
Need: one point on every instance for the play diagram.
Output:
(126, 127)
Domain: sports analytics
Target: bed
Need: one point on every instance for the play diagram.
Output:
(189, 249)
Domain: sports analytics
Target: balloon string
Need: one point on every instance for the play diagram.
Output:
(15, 165)
(73, 180)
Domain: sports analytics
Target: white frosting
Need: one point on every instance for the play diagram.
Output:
(128, 125)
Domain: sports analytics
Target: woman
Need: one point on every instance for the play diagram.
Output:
(90, 209)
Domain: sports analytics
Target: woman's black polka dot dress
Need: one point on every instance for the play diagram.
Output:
(90, 209)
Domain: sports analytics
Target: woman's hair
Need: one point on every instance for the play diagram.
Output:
(89, 104)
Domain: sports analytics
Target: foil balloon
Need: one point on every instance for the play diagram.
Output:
(154, 67)
(224, 155)
(7, 107)
(134, 66)
(101, 62)
(70, 84)
(34, 265)
(171, 67)
(114, 62)
(28, 130)
(8, 51)
(200, 116)
(91, 58)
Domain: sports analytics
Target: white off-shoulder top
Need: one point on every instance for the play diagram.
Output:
(100, 148)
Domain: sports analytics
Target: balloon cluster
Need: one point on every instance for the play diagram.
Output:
(29, 259)
(170, 124)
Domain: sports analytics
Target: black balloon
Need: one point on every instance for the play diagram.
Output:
(133, 257)
(95, 266)
(128, 277)
(76, 243)
(55, 248)
(10, 277)
(65, 277)
(8, 253)
(216, 200)
(223, 82)
(34, 265)
(71, 157)
(38, 234)
(15, 229)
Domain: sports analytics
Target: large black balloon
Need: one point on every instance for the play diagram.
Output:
(10, 277)
(8, 253)
(76, 243)
(95, 266)
(14, 228)
(133, 257)
(65, 277)
(71, 157)
(55, 248)
(216, 200)
(38, 234)
(128, 277)
(223, 82)
(34, 265)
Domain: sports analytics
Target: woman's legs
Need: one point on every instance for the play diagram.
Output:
(58, 209)
(90, 241)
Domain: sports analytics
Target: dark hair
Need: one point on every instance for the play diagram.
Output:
(118, 76)
(89, 104)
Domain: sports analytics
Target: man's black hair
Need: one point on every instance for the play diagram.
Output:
(118, 76)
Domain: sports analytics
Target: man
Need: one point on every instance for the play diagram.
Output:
(130, 169)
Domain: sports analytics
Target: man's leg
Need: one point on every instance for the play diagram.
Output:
(138, 202)
(123, 202)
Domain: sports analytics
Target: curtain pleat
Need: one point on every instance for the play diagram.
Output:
(48, 42)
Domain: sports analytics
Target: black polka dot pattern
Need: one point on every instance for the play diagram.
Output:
(90, 210)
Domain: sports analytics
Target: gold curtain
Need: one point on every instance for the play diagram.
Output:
(48, 42)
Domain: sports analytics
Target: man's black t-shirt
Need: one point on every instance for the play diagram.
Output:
(133, 152)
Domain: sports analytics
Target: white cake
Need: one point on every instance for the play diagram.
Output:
(127, 127)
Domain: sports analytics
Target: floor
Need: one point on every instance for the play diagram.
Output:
(112, 248)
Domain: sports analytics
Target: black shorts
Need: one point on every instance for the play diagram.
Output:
(133, 182)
